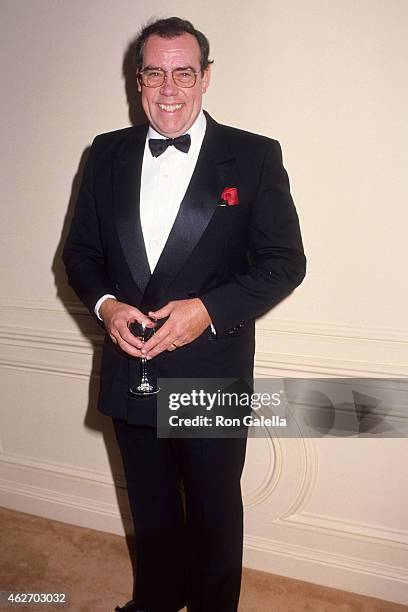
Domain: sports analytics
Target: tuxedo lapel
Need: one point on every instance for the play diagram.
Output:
(194, 215)
(127, 169)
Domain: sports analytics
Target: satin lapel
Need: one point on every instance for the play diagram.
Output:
(127, 168)
(194, 215)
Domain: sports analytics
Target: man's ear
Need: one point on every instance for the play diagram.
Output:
(139, 86)
(205, 80)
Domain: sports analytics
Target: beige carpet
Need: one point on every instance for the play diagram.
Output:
(94, 569)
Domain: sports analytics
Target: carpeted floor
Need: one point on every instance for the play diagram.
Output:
(94, 569)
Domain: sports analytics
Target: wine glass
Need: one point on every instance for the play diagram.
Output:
(145, 387)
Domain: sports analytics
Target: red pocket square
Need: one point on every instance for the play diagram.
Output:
(229, 197)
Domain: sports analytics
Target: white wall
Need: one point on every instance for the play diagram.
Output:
(327, 80)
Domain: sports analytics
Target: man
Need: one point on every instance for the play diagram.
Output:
(190, 223)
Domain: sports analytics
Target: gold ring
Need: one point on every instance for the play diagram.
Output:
(173, 345)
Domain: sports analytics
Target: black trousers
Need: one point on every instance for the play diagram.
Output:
(189, 546)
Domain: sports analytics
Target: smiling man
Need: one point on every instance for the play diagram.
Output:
(172, 103)
(189, 224)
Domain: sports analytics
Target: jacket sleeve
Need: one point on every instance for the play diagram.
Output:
(277, 263)
(83, 253)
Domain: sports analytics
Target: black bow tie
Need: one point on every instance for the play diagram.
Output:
(159, 145)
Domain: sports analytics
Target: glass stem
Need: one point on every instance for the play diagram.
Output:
(143, 371)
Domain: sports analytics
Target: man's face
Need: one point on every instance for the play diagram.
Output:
(170, 109)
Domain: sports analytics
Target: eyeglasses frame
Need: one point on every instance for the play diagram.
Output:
(165, 72)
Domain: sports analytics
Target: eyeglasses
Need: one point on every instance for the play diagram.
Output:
(155, 77)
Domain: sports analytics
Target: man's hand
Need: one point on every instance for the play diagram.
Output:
(117, 317)
(187, 319)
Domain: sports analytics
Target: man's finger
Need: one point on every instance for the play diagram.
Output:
(157, 338)
(162, 312)
(139, 317)
(128, 348)
(129, 337)
(165, 345)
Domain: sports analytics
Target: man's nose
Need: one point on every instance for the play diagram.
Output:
(169, 88)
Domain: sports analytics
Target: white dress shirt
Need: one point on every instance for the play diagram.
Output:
(164, 182)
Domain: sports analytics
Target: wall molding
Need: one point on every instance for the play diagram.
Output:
(265, 324)
(272, 475)
(333, 560)
(360, 531)
(267, 364)
(364, 576)
(77, 496)
(26, 337)
(36, 470)
(71, 471)
(332, 349)
(334, 330)
(309, 466)
(47, 367)
(297, 365)
(56, 306)
(24, 476)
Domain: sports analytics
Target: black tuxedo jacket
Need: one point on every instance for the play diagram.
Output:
(240, 260)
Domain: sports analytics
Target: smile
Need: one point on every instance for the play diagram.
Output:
(170, 108)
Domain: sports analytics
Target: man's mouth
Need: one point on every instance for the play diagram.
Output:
(170, 108)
